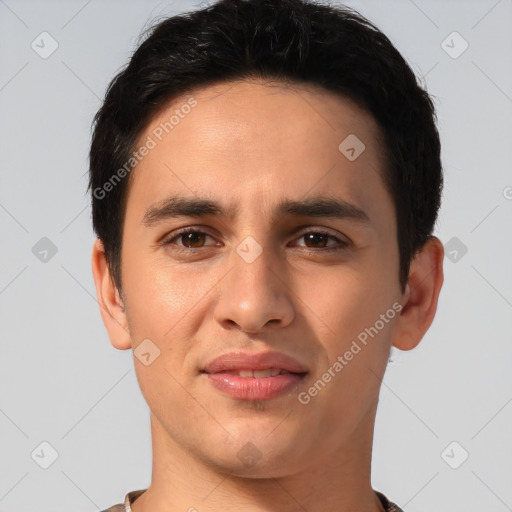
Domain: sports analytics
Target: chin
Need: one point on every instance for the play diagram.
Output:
(261, 453)
(256, 465)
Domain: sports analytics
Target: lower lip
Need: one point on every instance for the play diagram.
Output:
(252, 388)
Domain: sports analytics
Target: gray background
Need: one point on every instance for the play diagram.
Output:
(61, 382)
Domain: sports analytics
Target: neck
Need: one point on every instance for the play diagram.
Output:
(335, 478)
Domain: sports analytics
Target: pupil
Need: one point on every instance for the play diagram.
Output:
(190, 236)
(314, 237)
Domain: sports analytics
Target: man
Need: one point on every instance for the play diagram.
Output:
(265, 179)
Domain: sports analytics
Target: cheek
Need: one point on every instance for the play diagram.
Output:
(342, 298)
(149, 294)
(161, 306)
(154, 292)
(166, 302)
(358, 341)
(348, 309)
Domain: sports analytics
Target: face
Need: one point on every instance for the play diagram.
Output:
(303, 261)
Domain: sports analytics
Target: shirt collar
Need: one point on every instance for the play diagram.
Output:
(130, 498)
(388, 505)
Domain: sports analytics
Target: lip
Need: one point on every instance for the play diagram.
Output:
(253, 388)
(246, 361)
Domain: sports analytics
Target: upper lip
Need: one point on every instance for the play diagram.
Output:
(248, 361)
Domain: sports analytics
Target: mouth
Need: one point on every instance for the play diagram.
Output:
(254, 376)
(257, 374)
(256, 385)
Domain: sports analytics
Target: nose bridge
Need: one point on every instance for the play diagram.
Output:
(254, 274)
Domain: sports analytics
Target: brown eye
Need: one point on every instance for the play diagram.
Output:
(194, 239)
(318, 240)
(189, 238)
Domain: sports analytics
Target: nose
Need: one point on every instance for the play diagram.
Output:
(255, 294)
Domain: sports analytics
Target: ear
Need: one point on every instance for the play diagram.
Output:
(420, 297)
(111, 305)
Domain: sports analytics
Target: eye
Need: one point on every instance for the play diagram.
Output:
(320, 237)
(190, 237)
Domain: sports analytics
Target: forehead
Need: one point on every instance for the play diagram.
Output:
(240, 111)
(260, 142)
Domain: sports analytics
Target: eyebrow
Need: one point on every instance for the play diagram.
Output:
(182, 206)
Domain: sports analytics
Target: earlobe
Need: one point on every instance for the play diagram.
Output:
(421, 295)
(112, 308)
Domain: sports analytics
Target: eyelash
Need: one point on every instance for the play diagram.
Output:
(169, 241)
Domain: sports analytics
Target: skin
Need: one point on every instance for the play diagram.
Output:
(251, 144)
